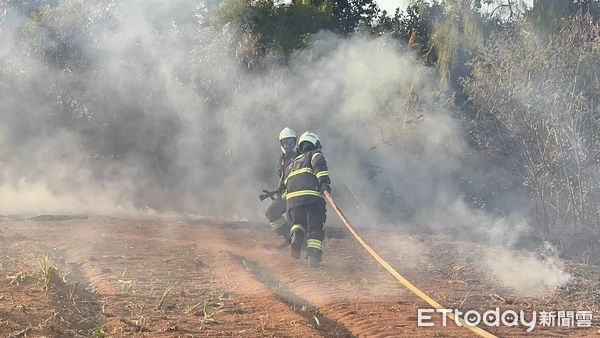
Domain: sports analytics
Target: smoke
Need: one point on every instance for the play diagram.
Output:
(119, 107)
(527, 273)
(145, 103)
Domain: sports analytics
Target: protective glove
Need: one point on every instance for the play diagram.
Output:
(325, 187)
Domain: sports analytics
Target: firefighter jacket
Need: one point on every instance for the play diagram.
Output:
(284, 161)
(303, 178)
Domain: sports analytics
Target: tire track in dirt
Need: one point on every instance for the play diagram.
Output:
(351, 289)
(191, 262)
(348, 288)
(325, 325)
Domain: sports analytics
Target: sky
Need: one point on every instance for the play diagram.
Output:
(391, 5)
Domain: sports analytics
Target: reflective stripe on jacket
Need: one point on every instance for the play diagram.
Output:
(303, 177)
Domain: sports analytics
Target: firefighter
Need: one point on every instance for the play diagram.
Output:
(305, 180)
(275, 212)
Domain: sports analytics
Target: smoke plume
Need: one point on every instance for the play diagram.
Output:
(116, 107)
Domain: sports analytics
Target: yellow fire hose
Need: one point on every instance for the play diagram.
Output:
(399, 277)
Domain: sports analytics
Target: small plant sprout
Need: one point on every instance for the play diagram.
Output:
(208, 318)
(100, 331)
(126, 285)
(47, 271)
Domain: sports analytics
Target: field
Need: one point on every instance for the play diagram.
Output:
(102, 276)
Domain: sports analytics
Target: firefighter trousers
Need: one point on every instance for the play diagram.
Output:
(308, 222)
(275, 214)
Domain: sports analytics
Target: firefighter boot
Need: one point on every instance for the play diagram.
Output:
(284, 232)
(314, 261)
(296, 242)
(314, 251)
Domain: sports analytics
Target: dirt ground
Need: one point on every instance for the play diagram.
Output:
(181, 278)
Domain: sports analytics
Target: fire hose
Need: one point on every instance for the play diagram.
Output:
(393, 272)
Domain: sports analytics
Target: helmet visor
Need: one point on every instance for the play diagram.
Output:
(288, 144)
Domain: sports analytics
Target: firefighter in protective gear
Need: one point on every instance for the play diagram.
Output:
(305, 179)
(287, 141)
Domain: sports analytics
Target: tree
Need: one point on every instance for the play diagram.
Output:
(536, 103)
(282, 28)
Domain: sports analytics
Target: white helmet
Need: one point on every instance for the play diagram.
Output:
(286, 133)
(311, 137)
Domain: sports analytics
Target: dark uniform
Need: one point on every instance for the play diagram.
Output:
(278, 207)
(306, 206)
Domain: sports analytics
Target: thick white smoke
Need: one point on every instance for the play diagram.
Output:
(120, 106)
